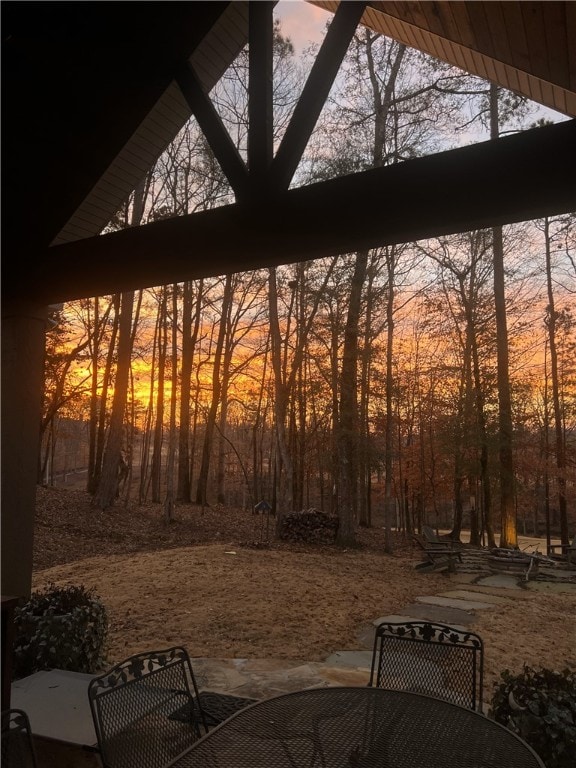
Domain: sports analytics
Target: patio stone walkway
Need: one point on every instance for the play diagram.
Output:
(474, 590)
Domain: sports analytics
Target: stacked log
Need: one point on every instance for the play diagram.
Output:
(311, 526)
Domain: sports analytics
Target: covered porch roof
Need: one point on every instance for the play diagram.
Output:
(91, 100)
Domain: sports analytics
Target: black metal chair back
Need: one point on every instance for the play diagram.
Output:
(434, 659)
(146, 710)
(17, 745)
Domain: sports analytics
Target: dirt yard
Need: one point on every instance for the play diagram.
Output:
(213, 581)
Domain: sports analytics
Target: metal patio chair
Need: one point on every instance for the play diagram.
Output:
(148, 709)
(145, 709)
(434, 659)
(17, 745)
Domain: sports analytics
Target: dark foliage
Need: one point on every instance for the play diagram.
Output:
(60, 628)
(540, 706)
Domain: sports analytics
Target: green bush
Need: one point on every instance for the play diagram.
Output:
(60, 628)
(540, 706)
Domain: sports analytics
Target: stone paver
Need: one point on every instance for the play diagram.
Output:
(462, 594)
(441, 614)
(448, 602)
(361, 659)
(501, 580)
(256, 678)
(344, 675)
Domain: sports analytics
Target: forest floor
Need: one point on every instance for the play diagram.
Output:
(216, 581)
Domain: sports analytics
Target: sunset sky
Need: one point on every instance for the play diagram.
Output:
(302, 22)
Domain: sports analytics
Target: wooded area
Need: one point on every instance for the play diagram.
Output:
(435, 379)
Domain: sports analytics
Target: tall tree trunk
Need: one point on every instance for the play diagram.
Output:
(335, 410)
(486, 506)
(508, 525)
(284, 476)
(183, 483)
(546, 451)
(257, 436)
(94, 481)
(364, 454)
(108, 485)
(462, 429)
(468, 300)
(389, 506)
(348, 422)
(189, 339)
(110, 458)
(384, 106)
(169, 498)
(91, 480)
(202, 490)
(147, 431)
(127, 463)
(158, 439)
(285, 376)
(551, 318)
(223, 420)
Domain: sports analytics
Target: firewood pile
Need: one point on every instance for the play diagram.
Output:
(309, 525)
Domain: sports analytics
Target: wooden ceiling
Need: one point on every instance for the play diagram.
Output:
(91, 98)
(526, 47)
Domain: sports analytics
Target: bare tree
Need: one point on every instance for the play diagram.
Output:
(465, 271)
(285, 370)
(202, 490)
(158, 425)
(552, 319)
(348, 421)
(190, 330)
(170, 496)
(108, 485)
(508, 530)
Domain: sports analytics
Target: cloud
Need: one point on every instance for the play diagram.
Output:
(302, 22)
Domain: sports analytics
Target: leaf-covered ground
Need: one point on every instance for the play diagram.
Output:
(211, 580)
(68, 528)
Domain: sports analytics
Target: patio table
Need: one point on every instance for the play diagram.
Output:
(358, 727)
(56, 701)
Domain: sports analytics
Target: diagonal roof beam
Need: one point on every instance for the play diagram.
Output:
(313, 97)
(515, 178)
(216, 134)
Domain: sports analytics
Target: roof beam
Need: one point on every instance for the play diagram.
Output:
(515, 178)
(316, 91)
(260, 93)
(213, 128)
(94, 73)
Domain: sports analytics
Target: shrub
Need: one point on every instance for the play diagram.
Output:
(60, 628)
(540, 706)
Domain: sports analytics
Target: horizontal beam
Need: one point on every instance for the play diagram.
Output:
(517, 178)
